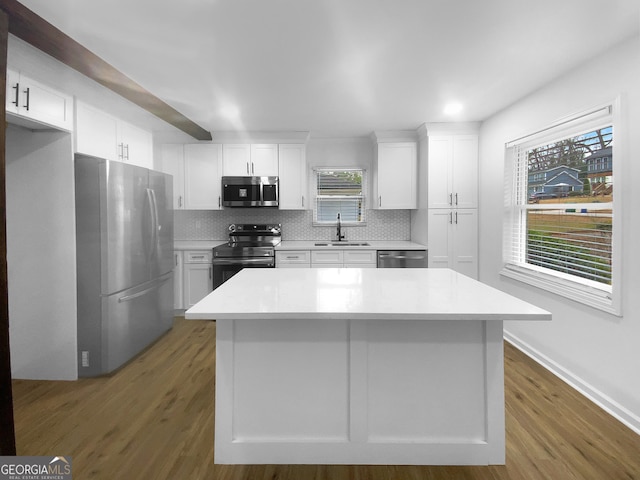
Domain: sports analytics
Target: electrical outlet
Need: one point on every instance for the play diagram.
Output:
(85, 358)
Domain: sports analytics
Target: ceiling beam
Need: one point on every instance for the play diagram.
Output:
(33, 29)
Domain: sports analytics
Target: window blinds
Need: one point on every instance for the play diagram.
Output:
(558, 216)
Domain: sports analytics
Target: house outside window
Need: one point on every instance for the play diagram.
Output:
(340, 191)
(559, 227)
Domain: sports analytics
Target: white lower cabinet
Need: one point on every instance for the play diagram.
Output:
(326, 258)
(293, 259)
(453, 240)
(360, 258)
(197, 276)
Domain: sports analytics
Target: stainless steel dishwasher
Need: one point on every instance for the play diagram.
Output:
(402, 259)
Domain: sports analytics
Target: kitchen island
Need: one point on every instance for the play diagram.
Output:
(359, 366)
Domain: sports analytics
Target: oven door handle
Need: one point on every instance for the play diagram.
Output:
(243, 261)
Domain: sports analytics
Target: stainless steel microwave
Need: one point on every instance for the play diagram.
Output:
(249, 191)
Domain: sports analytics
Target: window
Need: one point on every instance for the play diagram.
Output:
(340, 191)
(559, 234)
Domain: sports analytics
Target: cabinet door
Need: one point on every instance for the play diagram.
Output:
(202, 176)
(236, 160)
(198, 282)
(440, 238)
(135, 145)
(440, 157)
(172, 158)
(96, 132)
(264, 160)
(327, 257)
(397, 176)
(360, 258)
(465, 242)
(293, 259)
(292, 171)
(36, 101)
(12, 95)
(465, 171)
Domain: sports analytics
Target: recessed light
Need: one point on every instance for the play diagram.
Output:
(453, 108)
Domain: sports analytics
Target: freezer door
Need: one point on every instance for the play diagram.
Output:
(134, 319)
(126, 218)
(161, 192)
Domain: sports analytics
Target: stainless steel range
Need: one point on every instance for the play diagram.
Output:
(249, 246)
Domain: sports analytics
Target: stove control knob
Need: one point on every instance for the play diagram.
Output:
(232, 227)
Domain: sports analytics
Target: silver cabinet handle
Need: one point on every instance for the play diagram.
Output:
(456, 199)
(247, 168)
(451, 199)
(252, 168)
(380, 201)
(180, 201)
(450, 218)
(303, 200)
(456, 218)
(17, 87)
(27, 104)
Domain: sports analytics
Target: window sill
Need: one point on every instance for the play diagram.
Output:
(593, 297)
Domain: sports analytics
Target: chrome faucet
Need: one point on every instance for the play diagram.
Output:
(339, 232)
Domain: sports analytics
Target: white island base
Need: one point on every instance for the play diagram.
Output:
(359, 366)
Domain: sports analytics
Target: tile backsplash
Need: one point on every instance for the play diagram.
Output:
(296, 224)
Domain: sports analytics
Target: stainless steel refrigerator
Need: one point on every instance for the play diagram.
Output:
(124, 244)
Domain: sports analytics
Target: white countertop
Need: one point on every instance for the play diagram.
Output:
(354, 293)
(373, 245)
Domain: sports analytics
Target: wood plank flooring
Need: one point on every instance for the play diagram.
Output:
(153, 419)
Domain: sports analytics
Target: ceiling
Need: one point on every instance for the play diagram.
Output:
(341, 67)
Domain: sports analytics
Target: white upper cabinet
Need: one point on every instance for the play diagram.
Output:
(96, 132)
(202, 186)
(35, 101)
(196, 175)
(241, 160)
(264, 160)
(293, 177)
(236, 160)
(135, 145)
(172, 159)
(102, 135)
(395, 176)
(453, 171)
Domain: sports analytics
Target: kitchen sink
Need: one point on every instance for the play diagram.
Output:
(343, 244)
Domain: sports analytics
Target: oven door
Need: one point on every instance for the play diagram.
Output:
(225, 268)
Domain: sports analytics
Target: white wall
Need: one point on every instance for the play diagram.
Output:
(598, 352)
(41, 254)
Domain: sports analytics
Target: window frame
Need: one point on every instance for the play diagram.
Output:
(363, 197)
(596, 295)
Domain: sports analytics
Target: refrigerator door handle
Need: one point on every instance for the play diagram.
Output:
(133, 296)
(153, 208)
(156, 226)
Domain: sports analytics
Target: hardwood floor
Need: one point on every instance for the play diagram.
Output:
(153, 419)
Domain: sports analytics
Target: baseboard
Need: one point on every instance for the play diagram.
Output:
(603, 401)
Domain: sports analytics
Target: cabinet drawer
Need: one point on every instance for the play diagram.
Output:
(327, 256)
(360, 256)
(197, 257)
(293, 257)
